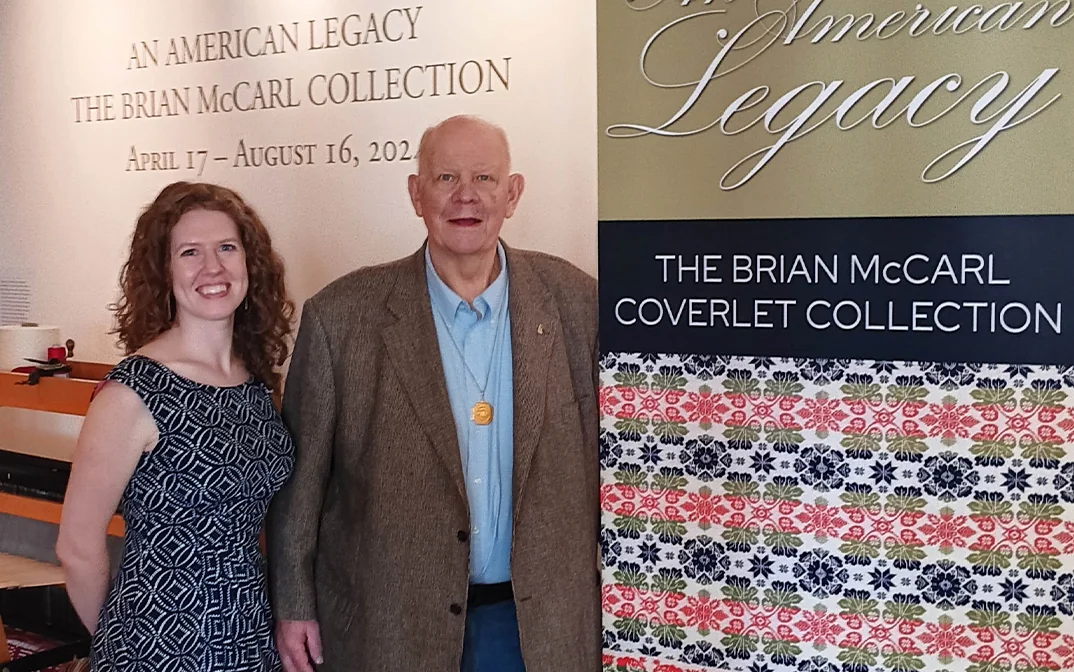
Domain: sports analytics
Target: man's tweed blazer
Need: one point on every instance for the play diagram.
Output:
(370, 535)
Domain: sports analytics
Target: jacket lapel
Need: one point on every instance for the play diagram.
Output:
(412, 345)
(534, 331)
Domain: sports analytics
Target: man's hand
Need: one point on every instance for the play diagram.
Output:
(299, 643)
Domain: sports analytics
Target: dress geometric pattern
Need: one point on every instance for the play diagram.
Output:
(804, 515)
(190, 594)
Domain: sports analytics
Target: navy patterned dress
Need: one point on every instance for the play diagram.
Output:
(190, 593)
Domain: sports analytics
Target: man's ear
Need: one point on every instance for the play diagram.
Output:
(516, 184)
(413, 185)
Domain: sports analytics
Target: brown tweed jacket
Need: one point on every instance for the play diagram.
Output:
(368, 536)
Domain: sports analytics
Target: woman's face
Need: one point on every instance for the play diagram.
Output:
(208, 266)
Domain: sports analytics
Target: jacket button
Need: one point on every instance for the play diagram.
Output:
(463, 536)
(455, 609)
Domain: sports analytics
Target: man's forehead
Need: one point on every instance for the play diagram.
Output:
(460, 143)
(465, 141)
(466, 160)
(468, 157)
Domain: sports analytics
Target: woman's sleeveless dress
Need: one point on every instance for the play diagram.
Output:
(190, 593)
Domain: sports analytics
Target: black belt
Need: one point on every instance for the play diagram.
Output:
(482, 594)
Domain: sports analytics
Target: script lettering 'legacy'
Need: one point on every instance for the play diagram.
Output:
(996, 102)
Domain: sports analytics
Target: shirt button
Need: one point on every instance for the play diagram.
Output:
(455, 609)
(477, 480)
(462, 535)
(475, 530)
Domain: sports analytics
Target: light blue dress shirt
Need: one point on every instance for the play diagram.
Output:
(480, 338)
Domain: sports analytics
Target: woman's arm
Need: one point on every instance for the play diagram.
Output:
(117, 429)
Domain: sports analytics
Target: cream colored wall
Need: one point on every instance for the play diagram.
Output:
(69, 205)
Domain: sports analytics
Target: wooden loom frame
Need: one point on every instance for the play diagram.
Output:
(69, 396)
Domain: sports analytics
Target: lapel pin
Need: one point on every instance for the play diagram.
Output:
(540, 328)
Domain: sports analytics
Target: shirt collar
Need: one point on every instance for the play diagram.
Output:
(448, 303)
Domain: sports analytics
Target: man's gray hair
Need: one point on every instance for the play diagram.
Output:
(430, 133)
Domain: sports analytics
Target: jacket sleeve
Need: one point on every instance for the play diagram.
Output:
(309, 411)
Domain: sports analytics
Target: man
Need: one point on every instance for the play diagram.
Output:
(443, 514)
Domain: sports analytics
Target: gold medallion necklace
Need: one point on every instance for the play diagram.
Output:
(481, 413)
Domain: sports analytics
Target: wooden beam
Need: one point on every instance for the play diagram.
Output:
(89, 370)
(45, 511)
(70, 396)
(19, 572)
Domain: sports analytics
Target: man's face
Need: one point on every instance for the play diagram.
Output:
(463, 189)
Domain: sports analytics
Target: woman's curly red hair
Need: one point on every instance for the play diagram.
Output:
(146, 308)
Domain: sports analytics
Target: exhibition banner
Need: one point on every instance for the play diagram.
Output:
(313, 112)
(836, 370)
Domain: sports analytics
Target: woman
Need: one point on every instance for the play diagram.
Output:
(184, 436)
